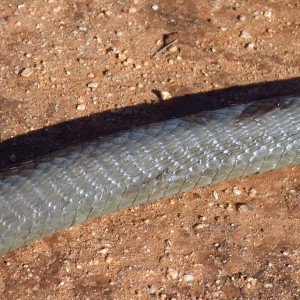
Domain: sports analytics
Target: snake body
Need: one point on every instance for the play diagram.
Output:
(146, 163)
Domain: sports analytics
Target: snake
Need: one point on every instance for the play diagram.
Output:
(124, 169)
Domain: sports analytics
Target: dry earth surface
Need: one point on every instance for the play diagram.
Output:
(73, 70)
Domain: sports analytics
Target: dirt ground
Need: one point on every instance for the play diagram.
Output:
(73, 70)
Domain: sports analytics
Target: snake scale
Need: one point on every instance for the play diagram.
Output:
(49, 194)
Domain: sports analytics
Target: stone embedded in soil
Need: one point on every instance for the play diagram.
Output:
(250, 46)
(241, 18)
(188, 277)
(252, 193)
(210, 204)
(172, 274)
(215, 195)
(103, 250)
(245, 35)
(81, 107)
(132, 10)
(268, 14)
(109, 259)
(26, 72)
(236, 190)
(244, 208)
(92, 85)
(153, 289)
(173, 48)
(165, 95)
(199, 226)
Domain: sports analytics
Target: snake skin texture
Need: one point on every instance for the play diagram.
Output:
(155, 161)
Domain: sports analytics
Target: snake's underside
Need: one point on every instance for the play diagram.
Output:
(133, 167)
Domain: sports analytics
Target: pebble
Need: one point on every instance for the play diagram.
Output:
(210, 204)
(250, 46)
(103, 250)
(173, 48)
(92, 85)
(165, 95)
(154, 7)
(137, 66)
(107, 13)
(230, 207)
(245, 35)
(199, 226)
(26, 72)
(132, 10)
(188, 277)
(236, 191)
(82, 28)
(20, 6)
(129, 60)
(242, 18)
(121, 56)
(152, 289)
(252, 193)
(244, 208)
(172, 274)
(215, 195)
(109, 259)
(81, 107)
(268, 14)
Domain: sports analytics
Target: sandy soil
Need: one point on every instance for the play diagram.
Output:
(73, 70)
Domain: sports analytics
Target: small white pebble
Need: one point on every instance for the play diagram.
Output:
(173, 48)
(215, 195)
(236, 191)
(81, 107)
(268, 14)
(26, 72)
(250, 46)
(245, 35)
(103, 250)
(132, 10)
(109, 259)
(82, 28)
(252, 193)
(165, 95)
(199, 226)
(172, 274)
(92, 85)
(210, 204)
(122, 57)
(188, 277)
(244, 208)
(152, 289)
(154, 7)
